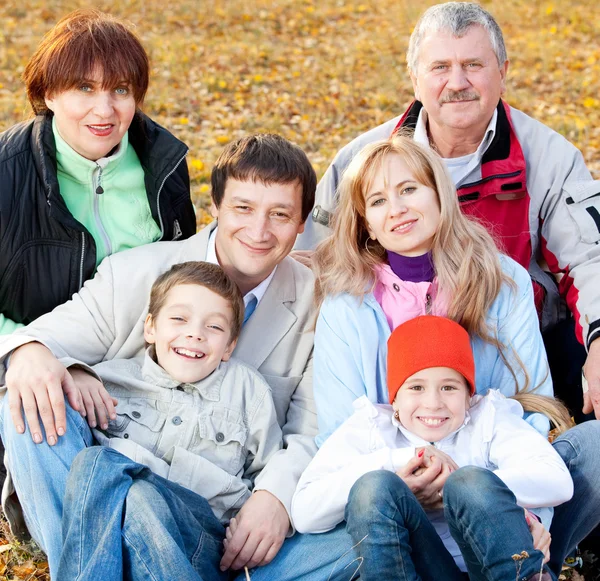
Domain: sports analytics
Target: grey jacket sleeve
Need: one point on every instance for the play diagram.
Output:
(565, 207)
(316, 228)
(82, 328)
(281, 474)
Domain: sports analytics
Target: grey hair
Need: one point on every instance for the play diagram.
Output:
(457, 18)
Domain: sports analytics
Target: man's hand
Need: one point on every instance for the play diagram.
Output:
(591, 369)
(303, 257)
(541, 537)
(256, 534)
(98, 405)
(37, 382)
(425, 477)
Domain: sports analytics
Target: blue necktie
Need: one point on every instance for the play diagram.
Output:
(250, 308)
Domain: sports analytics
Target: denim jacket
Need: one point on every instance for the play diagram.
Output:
(213, 436)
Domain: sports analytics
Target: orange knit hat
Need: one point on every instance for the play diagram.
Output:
(428, 341)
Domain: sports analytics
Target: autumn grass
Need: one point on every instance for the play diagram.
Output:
(318, 72)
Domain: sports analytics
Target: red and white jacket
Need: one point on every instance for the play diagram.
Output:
(535, 195)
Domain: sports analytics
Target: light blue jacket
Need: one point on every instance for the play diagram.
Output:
(350, 356)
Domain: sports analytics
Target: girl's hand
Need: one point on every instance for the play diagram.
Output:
(541, 537)
(429, 452)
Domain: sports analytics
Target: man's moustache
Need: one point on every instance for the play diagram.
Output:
(459, 96)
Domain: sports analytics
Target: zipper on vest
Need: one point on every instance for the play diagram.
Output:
(427, 304)
(161, 224)
(81, 261)
(98, 189)
(512, 174)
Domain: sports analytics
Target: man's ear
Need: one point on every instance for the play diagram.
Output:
(503, 73)
(229, 351)
(214, 211)
(301, 227)
(149, 330)
(415, 85)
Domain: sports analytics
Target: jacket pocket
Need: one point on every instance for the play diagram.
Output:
(222, 441)
(139, 421)
(36, 279)
(582, 199)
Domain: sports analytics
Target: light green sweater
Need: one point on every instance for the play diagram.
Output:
(120, 217)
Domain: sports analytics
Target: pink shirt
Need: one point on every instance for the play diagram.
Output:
(402, 300)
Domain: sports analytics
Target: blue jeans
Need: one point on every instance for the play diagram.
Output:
(393, 535)
(576, 519)
(488, 526)
(39, 473)
(123, 521)
(324, 557)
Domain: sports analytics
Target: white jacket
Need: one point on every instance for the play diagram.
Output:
(493, 436)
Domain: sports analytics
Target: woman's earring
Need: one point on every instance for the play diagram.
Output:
(397, 416)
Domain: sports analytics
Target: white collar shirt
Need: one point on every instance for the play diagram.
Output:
(471, 171)
(257, 292)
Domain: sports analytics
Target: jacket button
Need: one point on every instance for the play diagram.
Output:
(126, 436)
(220, 437)
(396, 287)
(176, 420)
(136, 415)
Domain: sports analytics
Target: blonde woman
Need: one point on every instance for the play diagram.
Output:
(401, 248)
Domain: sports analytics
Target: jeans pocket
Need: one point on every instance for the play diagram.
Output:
(207, 556)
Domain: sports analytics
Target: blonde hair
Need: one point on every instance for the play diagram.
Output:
(465, 257)
(551, 407)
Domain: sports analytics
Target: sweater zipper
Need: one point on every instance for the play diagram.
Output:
(427, 304)
(162, 226)
(81, 261)
(98, 191)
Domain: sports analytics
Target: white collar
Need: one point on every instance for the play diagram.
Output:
(421, 136)
(257, 292)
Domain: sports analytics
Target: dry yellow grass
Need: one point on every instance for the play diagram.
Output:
(317, 71)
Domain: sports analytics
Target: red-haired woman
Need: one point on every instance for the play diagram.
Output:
(90, 175)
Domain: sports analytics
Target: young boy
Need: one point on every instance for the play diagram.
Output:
(186, 409)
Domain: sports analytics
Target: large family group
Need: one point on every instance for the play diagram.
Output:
(354, 379)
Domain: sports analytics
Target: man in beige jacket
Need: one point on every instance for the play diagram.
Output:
(262, 191)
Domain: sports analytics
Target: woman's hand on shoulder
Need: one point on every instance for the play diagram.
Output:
(37, 384)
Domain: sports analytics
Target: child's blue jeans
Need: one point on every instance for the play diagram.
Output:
(397, 540)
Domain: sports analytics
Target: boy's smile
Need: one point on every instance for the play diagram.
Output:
(191, 333)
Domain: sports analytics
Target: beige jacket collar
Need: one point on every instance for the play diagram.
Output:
(209, 387)
(272, 318)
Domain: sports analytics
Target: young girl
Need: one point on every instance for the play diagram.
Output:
(496, 462)
(401, 248)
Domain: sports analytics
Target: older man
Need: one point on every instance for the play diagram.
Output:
(528, 183)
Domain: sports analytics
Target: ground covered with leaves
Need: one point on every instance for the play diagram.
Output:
(319, 72)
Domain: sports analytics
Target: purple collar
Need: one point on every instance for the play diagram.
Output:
(412, 268)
